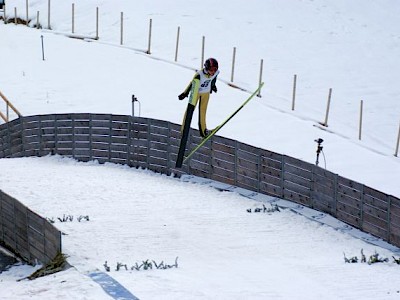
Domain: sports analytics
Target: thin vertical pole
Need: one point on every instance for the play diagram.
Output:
(327, 108)
(97, 23)
(73, 17)
(203, 42)
(150, 29)
(233, 63)
(122, 28)
(177, 43)
(15, 16)
(48, 15)
(261, 73)
(42, 47)
(361, 117)
(27, 12)
(37, 20)
(398, 142)
(4, 10)
(294, 90)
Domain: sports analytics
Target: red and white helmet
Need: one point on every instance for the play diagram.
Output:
(211, 64)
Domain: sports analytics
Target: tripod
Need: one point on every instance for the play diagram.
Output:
(319, 149)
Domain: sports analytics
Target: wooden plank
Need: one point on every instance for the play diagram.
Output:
(219, 140)
(156, 153)
(22, 249)
(203, 157)
(375, 212)
(118, 157)
(299, 172)
(374, 220)
(342, 198)
(267, 179)
(64, 145)
(242, 147)
(221, 156)
(223, 177)
(327, 181)
(157, 131)
(271, 189)
(223, 173)
(348, 218)
(158, 138)
(157, 161)
(348, 209)
(37, 254)
(100, 132)
(376, 199)
(296, 197)
(35, 221)
(374, 230)
(296, 189)
(270, 172)
(98, 154)
(297, 164)
(64, 131)
(250, 173)
(247, 160)
(221, 148)
(319, 203)
(52, 235)
(247, 182)
(199, 166)
(349, 184)
(304, 182)
(348, 192)
(9, 237)
(119, 148)
(223, 164)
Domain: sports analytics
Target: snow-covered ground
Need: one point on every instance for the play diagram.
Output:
(224, 252)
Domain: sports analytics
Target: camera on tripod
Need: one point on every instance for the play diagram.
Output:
(319, 149)
(319, 141)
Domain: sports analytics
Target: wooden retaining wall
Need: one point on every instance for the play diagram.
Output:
(153, 144)
(26, 233)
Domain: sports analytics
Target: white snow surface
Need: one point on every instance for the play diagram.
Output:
(224, 252)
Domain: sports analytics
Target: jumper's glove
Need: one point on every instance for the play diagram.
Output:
(213, 89)
(182, 96)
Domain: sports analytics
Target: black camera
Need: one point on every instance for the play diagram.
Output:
(319, 141)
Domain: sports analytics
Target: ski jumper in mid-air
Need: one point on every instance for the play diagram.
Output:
(207, 78)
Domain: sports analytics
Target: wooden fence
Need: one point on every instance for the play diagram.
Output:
(26, 233)
(153, 144)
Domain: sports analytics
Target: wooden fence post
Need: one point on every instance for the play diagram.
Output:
(27, 12)
(294, 90)
(177, 43)
(122, 28)
(233, 63)
(398, 142)
(48, 15)
(4, 11)
(73, 17)
(97, 23)
(37, 20)
(203, 42)
(361, 117)
(327, 108)
(261, 73)
(150, 29)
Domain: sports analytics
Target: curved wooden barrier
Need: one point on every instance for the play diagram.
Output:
(153, 144)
